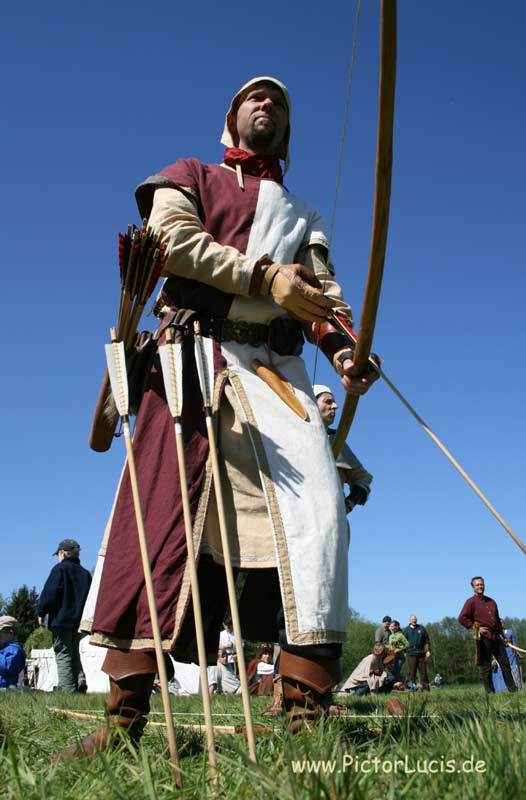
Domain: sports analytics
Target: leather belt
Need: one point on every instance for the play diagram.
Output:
(283, 335)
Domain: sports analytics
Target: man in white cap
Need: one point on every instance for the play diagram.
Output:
(351, 470)
(250, 261)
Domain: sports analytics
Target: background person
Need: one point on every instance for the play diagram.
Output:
(382, 633)
(418, 653)
(515, 665)
(221, 679)
(12, 655)
(398, 645)
(260, 671)
(351, 470)
(483, 609)
(227, 642)
(370, 675)
(62, 601)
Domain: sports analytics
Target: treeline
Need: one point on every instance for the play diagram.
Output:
(452, 647)
(22, 605)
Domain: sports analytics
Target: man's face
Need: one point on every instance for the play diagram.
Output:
(478, 586)
(262, 119)
(6, 635)
(412, 620)
(328, 408)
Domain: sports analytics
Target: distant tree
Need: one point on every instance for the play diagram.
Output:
(23, 606)
(518, 626)
(359, 641)
(452, 651)
(39, 639)
(2, 606)
(452, 646)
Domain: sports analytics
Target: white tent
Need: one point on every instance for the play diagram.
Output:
(42, 668)
(42, 671)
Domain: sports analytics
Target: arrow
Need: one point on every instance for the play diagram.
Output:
(172, 366)
(117, 373)
(204, 355)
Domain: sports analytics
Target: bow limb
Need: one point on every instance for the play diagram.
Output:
(384, 161)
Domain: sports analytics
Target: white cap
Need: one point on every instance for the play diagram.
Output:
(319, 388)
(226, 137)
(7, 622)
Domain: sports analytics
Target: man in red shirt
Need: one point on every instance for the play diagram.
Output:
(483, 609)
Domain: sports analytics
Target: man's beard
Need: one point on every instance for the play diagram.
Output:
(262, 141)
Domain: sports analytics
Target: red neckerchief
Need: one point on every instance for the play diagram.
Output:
(251, 164)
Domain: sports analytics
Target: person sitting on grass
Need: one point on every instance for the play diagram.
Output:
(260, 671)
(371, 675)
(221, 680)
(12, 655)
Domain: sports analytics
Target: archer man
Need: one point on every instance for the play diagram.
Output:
(249, 260)
(483, 610)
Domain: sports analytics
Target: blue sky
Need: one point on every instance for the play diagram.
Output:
(96, 97)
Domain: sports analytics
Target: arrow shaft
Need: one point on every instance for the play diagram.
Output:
(451, 459)
(231, 585)
(172, 382)
(196, 603)
(203, 372)
(161, 666)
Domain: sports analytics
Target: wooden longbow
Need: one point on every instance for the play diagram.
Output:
(384, 162)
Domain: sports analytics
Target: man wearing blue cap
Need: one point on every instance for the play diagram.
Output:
(62, 600)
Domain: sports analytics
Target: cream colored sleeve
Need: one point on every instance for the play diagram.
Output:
(315, 258)
(191, 251)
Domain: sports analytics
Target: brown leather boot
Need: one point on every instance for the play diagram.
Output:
(276, 709)
(307, 685)
(132, 674)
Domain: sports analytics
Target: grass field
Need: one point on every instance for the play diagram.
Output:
(452, 743)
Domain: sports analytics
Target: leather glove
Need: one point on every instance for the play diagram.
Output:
(349, 504)
(295, 288)
(358, 495)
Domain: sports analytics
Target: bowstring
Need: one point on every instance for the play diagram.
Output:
(340, 156)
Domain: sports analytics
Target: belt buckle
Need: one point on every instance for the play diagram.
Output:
(242, 332)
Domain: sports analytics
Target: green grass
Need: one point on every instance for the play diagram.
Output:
(455, 725)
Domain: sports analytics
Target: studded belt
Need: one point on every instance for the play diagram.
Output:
(283, 335)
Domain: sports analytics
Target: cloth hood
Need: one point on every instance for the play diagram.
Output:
(227, 138)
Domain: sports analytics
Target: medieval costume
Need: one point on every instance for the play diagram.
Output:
(499, 684)
(284, 505)
(484, 610)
